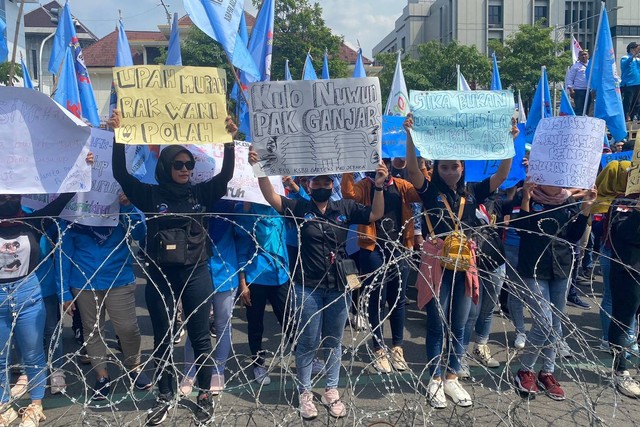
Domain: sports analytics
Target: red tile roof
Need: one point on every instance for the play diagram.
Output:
(103, 52)
(350, 56)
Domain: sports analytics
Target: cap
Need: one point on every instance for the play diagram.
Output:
(632, 45)
(318, 177)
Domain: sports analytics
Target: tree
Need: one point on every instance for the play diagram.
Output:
(4, 73)
(525, 52)
(300, 28)
(435, 67)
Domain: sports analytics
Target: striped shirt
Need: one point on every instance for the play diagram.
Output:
(577, 76)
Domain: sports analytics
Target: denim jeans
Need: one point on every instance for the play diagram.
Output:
(447, 316)
(22, 316)
(607, 303)
(386, 285)
(319, 309)
(517, 289)
(546, 300)
(52, 332)
(481, 314)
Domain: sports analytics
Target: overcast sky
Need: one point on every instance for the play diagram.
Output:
(366, 21)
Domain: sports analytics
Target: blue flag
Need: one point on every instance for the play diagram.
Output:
(496, 84)
(220, 20)
(67, 92)
(308, 73)
(4, 50)
(541, 101)
(123, 59)
(261, 50)
(26, 77)
(603, 76)
(243, 32)
(287, 71)
(174, 55)
(358, 71)
(325, 66)
(566, 109)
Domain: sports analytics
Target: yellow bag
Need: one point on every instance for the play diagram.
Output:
(456, 253)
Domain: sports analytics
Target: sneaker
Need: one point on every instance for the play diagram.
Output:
(212, 330)
(178, 338)
(140, 380)
(464, 371)
(261, 375)
(397, 359)
(361, 323)
(525, 382)
(435, 394)
(19, 390)
(101, 389)
(331, 398)
(576, 301)
(217, 384)
(482, 353)
(77, 334)
(563, 349)
(381, 361)
(204, 413)
(317, 367)
(521, 340)
(7, 415)
(458, 395)
(604, 346)
(32, 415)
(186, 385)
(550, 385)
(158, 413)
(58, 382)
(627, 385)
(307, 408)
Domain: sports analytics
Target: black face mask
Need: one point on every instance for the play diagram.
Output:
(320, 195)
(10, 208)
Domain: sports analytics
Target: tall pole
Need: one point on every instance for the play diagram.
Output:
(595, 48)
(542, 93)
(15, 44)
(40, 72)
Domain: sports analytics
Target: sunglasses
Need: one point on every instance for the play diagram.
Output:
(178, 165)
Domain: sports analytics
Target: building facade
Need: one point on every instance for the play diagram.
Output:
(475, 22)
(9, 14)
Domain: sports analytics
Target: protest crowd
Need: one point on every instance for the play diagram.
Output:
(511, 226)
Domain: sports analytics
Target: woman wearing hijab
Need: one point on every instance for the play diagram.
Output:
(551, 225)
(178, 252)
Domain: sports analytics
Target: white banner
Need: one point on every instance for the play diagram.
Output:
(566, 152)
(43, 146)
(312, 127)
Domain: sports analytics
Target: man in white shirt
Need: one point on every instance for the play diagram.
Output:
(577, 82)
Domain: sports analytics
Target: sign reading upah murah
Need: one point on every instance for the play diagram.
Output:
(312, 127)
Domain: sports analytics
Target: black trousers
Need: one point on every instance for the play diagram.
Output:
(193, 286)
(629, 98)
(625, 298)
(260, 294)
(579, 97)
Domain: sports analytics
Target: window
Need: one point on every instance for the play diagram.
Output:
(540, 12)
(495, 16)
(34, 63)
(403, 44)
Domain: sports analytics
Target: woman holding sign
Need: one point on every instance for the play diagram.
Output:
(178, 252)
(448, 264)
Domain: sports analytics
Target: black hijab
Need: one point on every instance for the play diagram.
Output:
(169, 187)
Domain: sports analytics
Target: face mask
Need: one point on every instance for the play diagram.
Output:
(9, 209)
(321, 195)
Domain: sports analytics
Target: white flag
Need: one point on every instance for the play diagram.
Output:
(522, 117)
(575, 49)
(398, 103)
(462, 82)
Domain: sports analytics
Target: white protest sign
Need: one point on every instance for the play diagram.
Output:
(312, 127)
(566, 152)
(43, 146)
(463, 125)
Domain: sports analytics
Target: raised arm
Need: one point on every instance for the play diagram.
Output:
(377, 204)
(270, 195)
(414, 174)
(502, 173)
(215, 188)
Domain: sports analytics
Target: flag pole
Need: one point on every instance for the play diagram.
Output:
(542, 93)
(595, 47)
(15, 45)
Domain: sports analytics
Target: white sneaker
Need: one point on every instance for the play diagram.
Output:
(627, 385)
(563, 349)
(19, 390)
(435, 394)
(7, 415)
(521, 340)
(261, 375)
(482, 353)
(458, 395)
(464, 371)
(58, 382)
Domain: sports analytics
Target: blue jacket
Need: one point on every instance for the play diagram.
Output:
(223, 262)
(629, 71)
(88, 265)
(261, 244)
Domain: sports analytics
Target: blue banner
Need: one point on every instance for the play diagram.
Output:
(394, 137)
(477, 170)
(607, 158)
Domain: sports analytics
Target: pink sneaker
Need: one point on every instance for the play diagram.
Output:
(331, 398)
(217, 384)
(307, 408)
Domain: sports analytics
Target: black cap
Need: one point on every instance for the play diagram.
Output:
(632, 45)
(318, 177)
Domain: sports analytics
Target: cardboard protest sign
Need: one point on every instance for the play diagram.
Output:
(609, 157)
(633, 183)
(463, 125)
(43, 146)
(171, 105)
(478, 170)
(312, 127)
(566, 151)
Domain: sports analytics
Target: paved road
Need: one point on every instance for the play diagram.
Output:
(374, 399)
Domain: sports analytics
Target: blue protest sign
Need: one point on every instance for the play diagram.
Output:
(607, 158)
